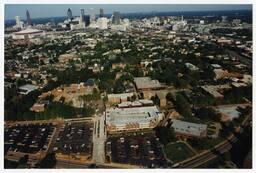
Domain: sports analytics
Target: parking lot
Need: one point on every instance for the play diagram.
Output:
(27, 138)
(136, 149)
(74, 138)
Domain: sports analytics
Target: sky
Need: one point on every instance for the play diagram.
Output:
(56, 10)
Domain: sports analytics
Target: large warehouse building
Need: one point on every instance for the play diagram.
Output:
(140, 114)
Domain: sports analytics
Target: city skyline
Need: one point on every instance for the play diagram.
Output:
(38, 11)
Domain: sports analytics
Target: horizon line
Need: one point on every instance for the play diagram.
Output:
(150, 12)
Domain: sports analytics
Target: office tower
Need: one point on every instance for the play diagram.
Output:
(81, 16)
(126, 22)
(18, 23)
(52, 23)
(224, 19)
(102, 23)
(236, 21)
(101, 13)
(87, 20)
(92, 15)
(29, 21)
(69, 14)
(201, 22)
(116, 18)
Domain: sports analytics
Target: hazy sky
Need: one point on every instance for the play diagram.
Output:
(53, 10)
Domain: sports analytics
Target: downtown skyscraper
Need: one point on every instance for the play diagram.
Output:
(116, 18)
(69, 14)
(29, 21)
(92, 15)
(18, 22)
(101, 13)
(81, 20)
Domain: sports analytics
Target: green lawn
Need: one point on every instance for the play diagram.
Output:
(210, 132)
(178, 151)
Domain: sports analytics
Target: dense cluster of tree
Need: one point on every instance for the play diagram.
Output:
(21, 163)
(62, 110)
(207, 113)
(120, 84)
(49, 161)
(70, 75)
(106, 80)
(165, 134)
(17, 107)
(10, 164)
(178, 75)
(89, 97)
(238, 95)
(182, 105)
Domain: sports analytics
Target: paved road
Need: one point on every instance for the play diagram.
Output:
(99, 138)
(54, 137)
(73, 165)
(68, 164)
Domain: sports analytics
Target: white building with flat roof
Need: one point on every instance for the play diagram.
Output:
(189, 129)
(26, 89)
(216, 90)
(191, 67)
(144, 83)
(230, 112)
(117, 98)
(136, 116)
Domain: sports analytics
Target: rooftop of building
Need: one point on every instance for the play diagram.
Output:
(28, 87)
(230, 112)
(28, 31)
(213, 89)
(121, 95)
(188, 127)
(140, 114)
(132, 115)
(146, 83)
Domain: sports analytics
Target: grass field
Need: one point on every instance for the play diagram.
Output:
(178, 151)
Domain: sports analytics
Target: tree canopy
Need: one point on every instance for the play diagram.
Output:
(182, 105)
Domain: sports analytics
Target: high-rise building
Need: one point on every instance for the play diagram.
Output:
(101, 13)
(116, 18)
(18, 23)
(92, 15)
(87, 20)
(69, 14)
(81, 16)
(201, 22)
(29, 21)
(52, 23)
(102, 23)
(236, 21)
(81, 22)
(224, 19)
